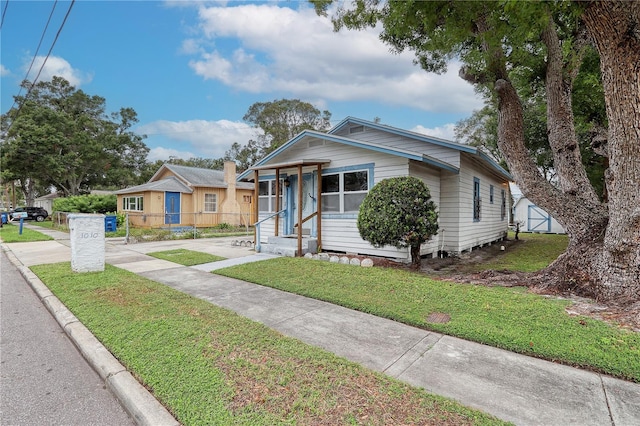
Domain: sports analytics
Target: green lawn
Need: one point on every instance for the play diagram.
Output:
(508, 318)
(186, 257)
(531, 253)
(10, 233)
(210, 366)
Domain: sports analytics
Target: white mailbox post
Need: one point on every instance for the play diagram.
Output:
(87, 242)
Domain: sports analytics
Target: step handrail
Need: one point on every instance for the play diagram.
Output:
(257, 228)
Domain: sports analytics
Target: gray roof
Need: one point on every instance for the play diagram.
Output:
(195, 176)
(170, 184)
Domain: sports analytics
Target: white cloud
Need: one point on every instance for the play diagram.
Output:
(443, 132)
(211, 139)
(4, 71)
(268, 48)
(160, 153)
(56, 66)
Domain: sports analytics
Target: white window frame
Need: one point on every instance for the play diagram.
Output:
(208, 203)
(341, 193)
(133, 203)
(270, 196)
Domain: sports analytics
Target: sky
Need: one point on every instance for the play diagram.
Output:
(192, 69)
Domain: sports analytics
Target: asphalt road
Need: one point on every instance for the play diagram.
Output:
(44, 380)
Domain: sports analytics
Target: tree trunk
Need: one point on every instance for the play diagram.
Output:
(615, 29)
(415, 256)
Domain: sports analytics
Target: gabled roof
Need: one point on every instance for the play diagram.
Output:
(194, 176)
(381, 147)
(312, 134)
(428, 139)
(170, 184)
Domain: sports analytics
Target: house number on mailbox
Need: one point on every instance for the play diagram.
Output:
(89, 235)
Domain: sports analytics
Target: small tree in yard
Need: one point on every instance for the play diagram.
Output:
(399, 212)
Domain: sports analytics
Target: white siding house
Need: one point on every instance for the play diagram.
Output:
(534, 219)
(335, 170)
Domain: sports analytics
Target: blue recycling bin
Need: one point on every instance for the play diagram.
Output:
(110, 223)
(4, 217)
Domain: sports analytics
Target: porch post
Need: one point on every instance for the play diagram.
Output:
(299, 210)
(319, 206)
(277, 222)
(256, 209)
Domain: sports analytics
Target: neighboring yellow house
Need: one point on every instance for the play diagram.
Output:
(189, 196)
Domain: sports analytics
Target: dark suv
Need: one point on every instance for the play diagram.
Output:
(33, 213)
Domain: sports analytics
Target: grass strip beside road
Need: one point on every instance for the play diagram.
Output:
(208, 365)
(186, 257)
(508, 318)
(10, 233)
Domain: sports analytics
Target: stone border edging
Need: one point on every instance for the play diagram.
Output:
(141, 405)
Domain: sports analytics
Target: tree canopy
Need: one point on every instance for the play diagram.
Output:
(506, 45)
(58, 136)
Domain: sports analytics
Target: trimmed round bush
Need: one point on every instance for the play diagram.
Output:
(398, 212)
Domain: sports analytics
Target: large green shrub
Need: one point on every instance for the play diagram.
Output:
(86, 204)
(398, 212)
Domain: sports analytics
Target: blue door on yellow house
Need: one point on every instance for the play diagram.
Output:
(171, 208)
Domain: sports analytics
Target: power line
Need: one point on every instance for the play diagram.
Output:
(4, 12)
(37, 49)
(33, 83)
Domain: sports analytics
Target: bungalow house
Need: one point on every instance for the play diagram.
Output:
(534, 219)
(323, 178)
(178, 196)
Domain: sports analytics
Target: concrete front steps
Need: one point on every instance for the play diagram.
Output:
(288, 245)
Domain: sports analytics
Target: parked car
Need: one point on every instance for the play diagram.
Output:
(33, 213)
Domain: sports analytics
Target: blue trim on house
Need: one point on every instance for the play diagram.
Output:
(351, 142)
(402, 132)
(370, 167)
(339, 215)
(495, 165)
(424, 138)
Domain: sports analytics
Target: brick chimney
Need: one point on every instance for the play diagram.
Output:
(230, 204)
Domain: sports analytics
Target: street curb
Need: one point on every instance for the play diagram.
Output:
(135, 398)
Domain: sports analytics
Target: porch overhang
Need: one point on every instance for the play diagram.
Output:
(291, 164)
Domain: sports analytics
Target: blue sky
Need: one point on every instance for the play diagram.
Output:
(191, 69)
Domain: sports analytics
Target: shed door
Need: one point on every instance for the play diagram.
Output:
(538, 219)
(172, 208)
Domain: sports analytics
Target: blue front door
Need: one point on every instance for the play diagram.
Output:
(171, 208)
(308, 204)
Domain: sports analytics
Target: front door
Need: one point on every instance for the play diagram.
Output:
(171, 208)
(308, 203)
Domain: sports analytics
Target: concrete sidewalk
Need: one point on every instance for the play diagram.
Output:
(517, 388)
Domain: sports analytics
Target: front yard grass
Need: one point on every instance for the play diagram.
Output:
(10, 233)
(209, 366)
(186, 257)
(531, 253)
(508, 318)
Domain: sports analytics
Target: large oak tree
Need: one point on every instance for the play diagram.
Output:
(496, 41)
(58, 136)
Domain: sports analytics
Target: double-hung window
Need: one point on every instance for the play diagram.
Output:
(503, 207)
(267, 195)
(210, 203)
(477, 202)
(343, 192)
(133, 203)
